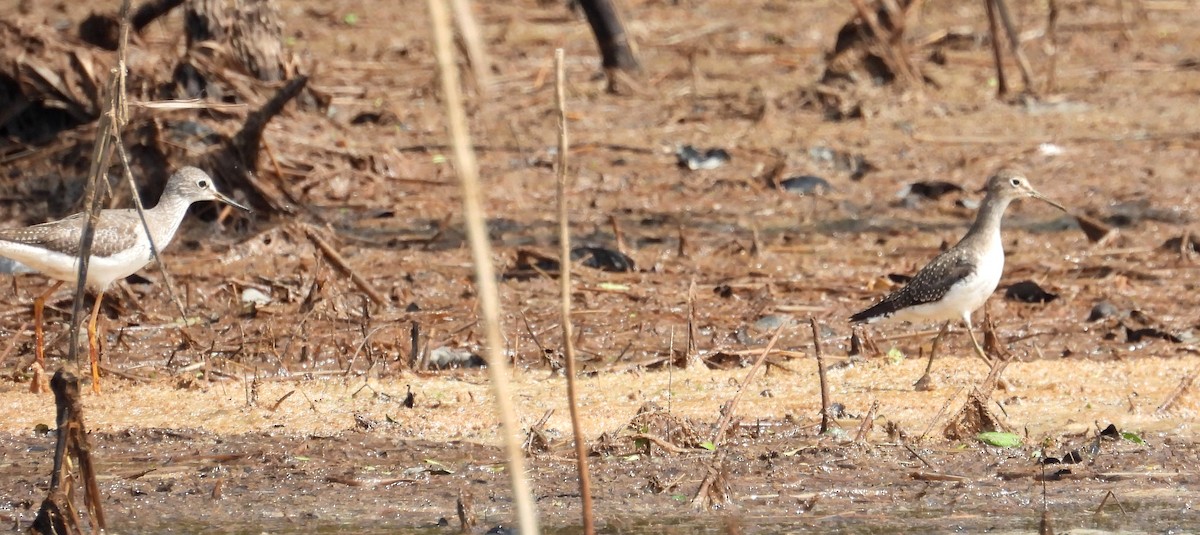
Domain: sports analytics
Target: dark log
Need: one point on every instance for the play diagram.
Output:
(236, 162)
(102, 29)
(615, 50)
(251, 27)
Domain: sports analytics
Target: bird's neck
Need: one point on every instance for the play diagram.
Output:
(164, 219)
(986, 228)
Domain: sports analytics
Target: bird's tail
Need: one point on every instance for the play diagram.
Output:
(875, 313)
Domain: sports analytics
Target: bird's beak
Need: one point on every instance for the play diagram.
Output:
(1045, 199)
(221, 197)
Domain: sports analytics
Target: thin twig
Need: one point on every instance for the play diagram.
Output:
(108, 128)
(1184, 384)
(154, 251)
(339, 262)
(994, 28)
(1014, 44)
(472, 36)
(663, 443)
(690, 348)
(918, 456)
(467, 170)
(1052, 39)
(940, 413)
(564, 278)
(12, 343)
(896, 60)
(731, 408)
(867, 423)
(1107, 495)
(821, 374)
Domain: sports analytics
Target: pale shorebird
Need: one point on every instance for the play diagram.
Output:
(120, 247)
(960, 279)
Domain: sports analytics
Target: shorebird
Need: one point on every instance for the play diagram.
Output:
(959, 281)
(120, 247)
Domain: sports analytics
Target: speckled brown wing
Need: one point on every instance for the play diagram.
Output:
(929, 285)
(115, 232)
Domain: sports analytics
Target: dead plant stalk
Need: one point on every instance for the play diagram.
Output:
(481, 252)
(564, 278)
(731, 408)
(821, 374)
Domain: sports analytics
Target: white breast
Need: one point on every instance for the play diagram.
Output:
(965, 297)
(973, 291)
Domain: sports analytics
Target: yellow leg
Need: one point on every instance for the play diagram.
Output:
(926, 382)
(937, 340)
(39, 336)
(39, 304)
(94, 344)
(975, 341)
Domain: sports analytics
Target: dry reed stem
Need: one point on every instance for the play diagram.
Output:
(731, 408)
(340, 263)
(154, 251)
(821, 375)
(472, 36)
(1052, 40)
(1184, 385)
(1014, 43)
(564, 277)
(997, 58)
(108, 128)
(895, 58)
(481, 252)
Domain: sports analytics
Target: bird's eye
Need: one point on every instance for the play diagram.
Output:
(1016, 182)
(204, 184)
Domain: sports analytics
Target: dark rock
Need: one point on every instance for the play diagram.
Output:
(1102, 310)
(806, 185)
(691, 158)
(1177, 244)
(932, 189)
(603, 259)
(1136, 335)
(1029, 292)
(449, 357)
(770, 322)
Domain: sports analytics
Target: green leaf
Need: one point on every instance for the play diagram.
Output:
(1133, 437)
(1000, 440)
(679, 497)
(708, 446)
(895, 356)
(837, 433)
(350, 18)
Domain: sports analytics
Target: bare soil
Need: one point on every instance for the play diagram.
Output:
(289, 415)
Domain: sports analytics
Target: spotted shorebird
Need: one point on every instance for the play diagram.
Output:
(960, 279)
(120, 247)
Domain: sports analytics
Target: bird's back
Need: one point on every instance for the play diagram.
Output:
(116, 231)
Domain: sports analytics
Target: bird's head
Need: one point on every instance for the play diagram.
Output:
(195, 185)
(1012, 184)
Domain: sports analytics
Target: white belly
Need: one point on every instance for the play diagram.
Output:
(102, 271)
(963, 298)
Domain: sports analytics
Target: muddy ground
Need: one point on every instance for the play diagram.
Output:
(289, 415)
